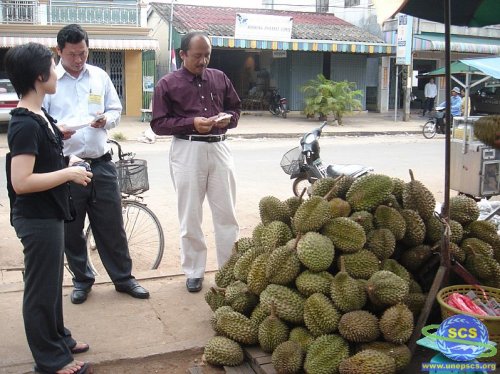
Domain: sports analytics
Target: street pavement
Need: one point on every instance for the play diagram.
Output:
(119, 327)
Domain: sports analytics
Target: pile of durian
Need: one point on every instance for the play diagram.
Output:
(327, 283)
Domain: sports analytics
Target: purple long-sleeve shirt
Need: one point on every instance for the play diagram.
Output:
(180, 96)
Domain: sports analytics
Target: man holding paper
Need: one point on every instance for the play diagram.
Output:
(197, 105)
(86, 103)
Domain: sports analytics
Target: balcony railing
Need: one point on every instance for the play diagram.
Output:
(19, 11)
(65, 12)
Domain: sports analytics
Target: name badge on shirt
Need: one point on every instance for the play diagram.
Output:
(94, 99)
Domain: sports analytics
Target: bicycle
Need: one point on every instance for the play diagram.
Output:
(435, 124)
(143, 229)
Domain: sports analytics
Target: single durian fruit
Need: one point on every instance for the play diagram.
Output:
(415, 301)
(397, 190)
(259, 314)
(320, 315)
(275, 234)
(347, 293)
(240, 298)
(322, 187)
(339, 207)
(311, 215)
(243, 244)
(386, 217)
(365, 219)
(325, 354)
(346, 235)
(463, 209)
(225, 275)
(223, 351)
(244, 262)
(368, 361)
(360, 265)
(386, 288)
(273, 209)
(476, 246)
(309, 282)
(369, 191)
(486, 129)
(399, 352)
(395, 267)
(315, 251)
(302, 336)
(484, 230)
(382, 243)
(288, 358)
(215, 298)
(415, 257)
(359, 326)
(272, 332)
(289, 303)
(256, 279)
(419, 198)
(283, 266)
(238, 327)
(415, 228)
(396, 324)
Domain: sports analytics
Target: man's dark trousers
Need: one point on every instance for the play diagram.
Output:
(101, 200)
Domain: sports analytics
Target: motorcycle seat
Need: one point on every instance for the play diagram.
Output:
(349, 170)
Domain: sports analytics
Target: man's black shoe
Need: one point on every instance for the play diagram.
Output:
(78, 295)
(134, 289)
(194, 284)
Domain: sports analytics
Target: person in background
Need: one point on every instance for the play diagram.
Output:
(456, 102)
(462, 110)
(197, 105)
(430, 93)
(37, 181)
(87, 95)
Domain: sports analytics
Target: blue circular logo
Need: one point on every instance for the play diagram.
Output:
(462, 338)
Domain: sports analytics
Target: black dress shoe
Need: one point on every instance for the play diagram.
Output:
(78, 295)
(134, 289)
(194, 284)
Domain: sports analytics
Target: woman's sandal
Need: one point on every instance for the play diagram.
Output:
(85, 368)
(80, 348)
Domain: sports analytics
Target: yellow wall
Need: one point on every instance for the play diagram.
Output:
(133, 83)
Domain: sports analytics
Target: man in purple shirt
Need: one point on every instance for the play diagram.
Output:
(197, 105)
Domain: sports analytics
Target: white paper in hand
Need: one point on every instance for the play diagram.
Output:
(80, 125)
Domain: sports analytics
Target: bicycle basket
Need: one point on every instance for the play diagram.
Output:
(439, 114)
(292, 161)
(132, 176)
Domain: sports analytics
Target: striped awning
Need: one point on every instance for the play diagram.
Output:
(435, 42)
(145, 44)
(304, 45)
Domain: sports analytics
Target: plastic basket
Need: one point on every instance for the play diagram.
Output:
(492, 323)
(133, 176)
(292, 161)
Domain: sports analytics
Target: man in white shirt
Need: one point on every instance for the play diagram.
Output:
(430, 92)
(86, 95)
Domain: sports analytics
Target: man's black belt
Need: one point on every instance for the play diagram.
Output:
(200, 138)
(104, 158)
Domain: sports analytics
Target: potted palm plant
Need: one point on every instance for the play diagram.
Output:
(324, 97)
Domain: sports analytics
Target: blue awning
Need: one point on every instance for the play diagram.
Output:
(489, 66)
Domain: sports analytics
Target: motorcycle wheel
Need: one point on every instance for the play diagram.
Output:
(283, 110)
(299, 184)
(429, 129)
(273, 110)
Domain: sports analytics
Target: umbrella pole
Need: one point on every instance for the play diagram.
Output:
(444, 268)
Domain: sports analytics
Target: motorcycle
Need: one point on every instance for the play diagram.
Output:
(278, 105)
(305, 166)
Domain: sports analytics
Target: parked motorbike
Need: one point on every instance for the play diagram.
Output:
(278, 105)
(305, 166)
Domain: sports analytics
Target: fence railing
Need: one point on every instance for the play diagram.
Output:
(19, 11)
(64, 12)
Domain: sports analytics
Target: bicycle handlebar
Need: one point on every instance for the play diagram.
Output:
(121, 155)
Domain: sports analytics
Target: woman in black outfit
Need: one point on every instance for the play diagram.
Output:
(40, 203)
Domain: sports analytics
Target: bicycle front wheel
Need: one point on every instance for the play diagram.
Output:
(429, 129)
(145, 239)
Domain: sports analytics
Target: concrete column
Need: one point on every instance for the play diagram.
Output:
(406, 76)
(43, 12)
(144, 14)
(383, 87)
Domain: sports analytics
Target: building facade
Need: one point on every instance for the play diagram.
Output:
(118, 36)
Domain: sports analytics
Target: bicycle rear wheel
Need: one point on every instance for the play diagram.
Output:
(145, 239)
(429, 129)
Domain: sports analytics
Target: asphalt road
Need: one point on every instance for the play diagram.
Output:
(258, 174)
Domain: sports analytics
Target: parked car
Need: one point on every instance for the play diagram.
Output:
(487, 99)
(8, 99)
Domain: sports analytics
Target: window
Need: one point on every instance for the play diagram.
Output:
(322, 6)
(19, 11)
(351, 3)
